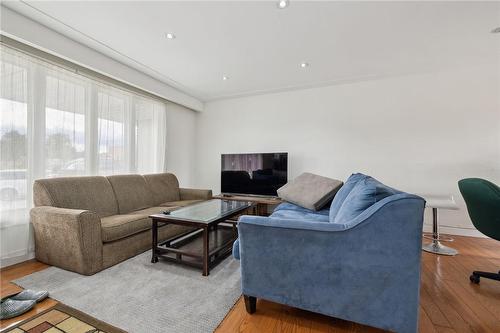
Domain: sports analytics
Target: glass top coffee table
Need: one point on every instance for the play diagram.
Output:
(208, 243)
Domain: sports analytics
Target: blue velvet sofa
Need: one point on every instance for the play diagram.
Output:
(357, 260)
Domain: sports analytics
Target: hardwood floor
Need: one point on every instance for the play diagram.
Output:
(449, 303)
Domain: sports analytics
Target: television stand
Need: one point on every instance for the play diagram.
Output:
(261, 207)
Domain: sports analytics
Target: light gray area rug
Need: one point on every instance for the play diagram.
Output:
(139, 296)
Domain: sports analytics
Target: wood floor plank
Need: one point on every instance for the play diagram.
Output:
(15, 272)
(440, 329)
(234, 318)
(486, 293)
(432, 310)
(431, 285)
(449, 303)
(425, 323)
(476, 307)
(291, 321)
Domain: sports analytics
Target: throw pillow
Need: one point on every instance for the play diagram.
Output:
(344, 191)
(364, 194)
(310, 191)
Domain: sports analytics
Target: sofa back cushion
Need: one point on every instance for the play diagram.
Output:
(365, 193)
(342, 194)
(164, 187)
(132, 192)
(90, 193)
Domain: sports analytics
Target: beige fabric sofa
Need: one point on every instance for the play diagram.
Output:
(86, 224)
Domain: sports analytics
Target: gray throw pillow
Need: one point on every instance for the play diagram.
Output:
(310, 191)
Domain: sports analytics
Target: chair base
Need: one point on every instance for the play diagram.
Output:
(250, 303)
(476, 275)
(438, 248)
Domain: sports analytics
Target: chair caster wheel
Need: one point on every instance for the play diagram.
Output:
(474, 279)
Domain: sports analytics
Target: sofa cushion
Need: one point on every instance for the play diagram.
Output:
(120, 226)
(310, 191)
(342, 194)
(164, 187)
(132, 192)
(301, 215)
(90, 193)
(364, 194)
(152, 210)
(179, 203)
(291, 206)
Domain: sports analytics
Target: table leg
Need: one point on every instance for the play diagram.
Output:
(435, 245)
(262, 209)
(154, 242)
(235, 230)
(205, 251)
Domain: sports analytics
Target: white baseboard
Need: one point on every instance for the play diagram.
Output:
(455, 231)
(12, 260)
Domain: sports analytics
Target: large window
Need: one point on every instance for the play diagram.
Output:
(65, 115)
(55, 122)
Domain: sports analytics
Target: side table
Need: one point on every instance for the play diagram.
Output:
(435, 246)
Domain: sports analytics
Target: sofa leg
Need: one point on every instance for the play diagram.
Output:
(250, 303)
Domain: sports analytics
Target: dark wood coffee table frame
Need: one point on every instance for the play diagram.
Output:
(204, 261)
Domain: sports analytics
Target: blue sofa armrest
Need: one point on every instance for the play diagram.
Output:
(366, 270)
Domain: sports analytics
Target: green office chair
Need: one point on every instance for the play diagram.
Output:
(483, 204)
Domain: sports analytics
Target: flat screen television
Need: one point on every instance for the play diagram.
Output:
(259, 174)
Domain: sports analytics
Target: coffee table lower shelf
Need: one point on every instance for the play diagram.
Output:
(202, 248)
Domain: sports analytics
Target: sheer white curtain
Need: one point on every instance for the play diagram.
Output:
(15, 175)
(113, 134)
(150, 124)
(65, 116)
(55, 122)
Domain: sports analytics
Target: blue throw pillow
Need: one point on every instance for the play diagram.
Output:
(342, 194)
(364, 194)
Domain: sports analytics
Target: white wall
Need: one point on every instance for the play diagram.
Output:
(181, 134)
(419, 133)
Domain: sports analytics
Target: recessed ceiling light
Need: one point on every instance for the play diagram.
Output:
(304, 65)
(225, 78)
(170, 35)
(495, 31)
(283, 4)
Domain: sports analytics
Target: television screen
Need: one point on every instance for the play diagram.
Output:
(253, 174)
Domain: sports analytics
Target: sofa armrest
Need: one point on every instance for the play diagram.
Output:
(68, 238)
(368, 266)
(195, 194)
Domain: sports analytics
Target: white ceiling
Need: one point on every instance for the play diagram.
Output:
(260, 47)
